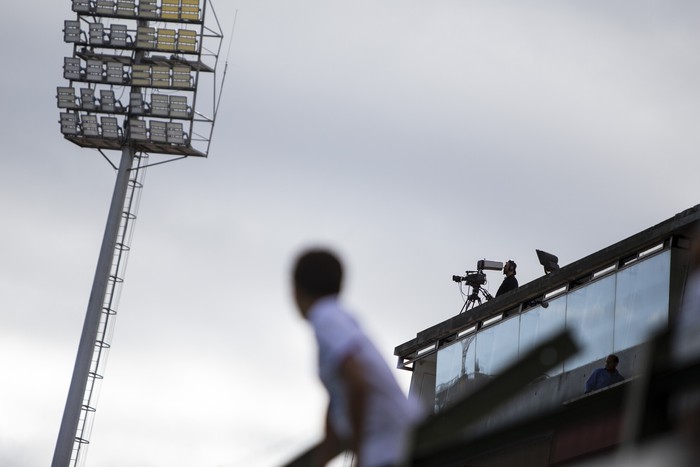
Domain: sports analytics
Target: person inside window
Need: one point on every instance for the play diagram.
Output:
(604, 377)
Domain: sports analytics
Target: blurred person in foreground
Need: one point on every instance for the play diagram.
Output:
(367, 412)
(686, 351)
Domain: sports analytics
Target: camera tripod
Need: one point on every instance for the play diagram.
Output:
(473, 299)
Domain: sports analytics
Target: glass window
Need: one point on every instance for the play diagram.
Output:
(450, 362)
(641, 304)
(589, 316)
(455, 371)
(496, 347)
(539, 324)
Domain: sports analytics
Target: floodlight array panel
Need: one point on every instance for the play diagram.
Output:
(95, 67)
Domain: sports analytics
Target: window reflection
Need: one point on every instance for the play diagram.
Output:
(539, 324)
(641, 305)
(496, 347)
(589, 316)
(455, 371)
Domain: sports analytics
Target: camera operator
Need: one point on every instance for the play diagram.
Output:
(510, 282)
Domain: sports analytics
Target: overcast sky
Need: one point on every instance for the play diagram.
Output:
(415, 138)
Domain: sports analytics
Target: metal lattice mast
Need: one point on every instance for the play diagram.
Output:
(102, 342)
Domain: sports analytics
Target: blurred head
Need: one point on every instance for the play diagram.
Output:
(317, 273)
(611, 362)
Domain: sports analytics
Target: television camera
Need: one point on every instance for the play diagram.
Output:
(475, 280)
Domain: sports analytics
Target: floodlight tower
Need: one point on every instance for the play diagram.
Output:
(142, 80)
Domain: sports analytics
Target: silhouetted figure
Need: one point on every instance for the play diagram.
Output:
(509, 282)
(367, 412)
(604, 377)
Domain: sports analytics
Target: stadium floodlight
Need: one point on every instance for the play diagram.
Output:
(146, 37)
(137, 130)
(126, 8)
(141, 75)
(66, 98)
(166, 39)
(115, 73)
(81, 6)
(170, 9)
(182, 77)
(160, 76)
(107, 101)
(94, 70)
(87, 99)
(189, 10)
(110, 127)
(97, 34)
(136, 106)
(160, 105)
(175, 133)
(105, 7)
(158, 131)
(160, 53)
(89, 125)
(71, 31)
(187, 40)
(179, 107)
(118, 35)
(148, 9)
(69, 123)
(72, 69)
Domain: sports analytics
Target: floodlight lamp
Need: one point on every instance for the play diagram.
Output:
(148, 9)
(97, 34)
(66, 98)
(110, 128)
(94, 70)
(160, 76)
(81, 6)
(118, 35)
(87, 99)
(90, 126)
(548, 261)
(145, 37)
(166, 39)
(182, 78)
(160, 105)
(71, 31)
(105, 7)
(141, 75)
(136, 106)
(71, 68)
(159, 133)
(137, 130)
(126, 8)
(107, 101)
(187, 41)
(179, 107)
(175, 133)
(170, 9)
(189, 10)
(69, 123)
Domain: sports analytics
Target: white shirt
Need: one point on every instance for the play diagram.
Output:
(390, 415)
